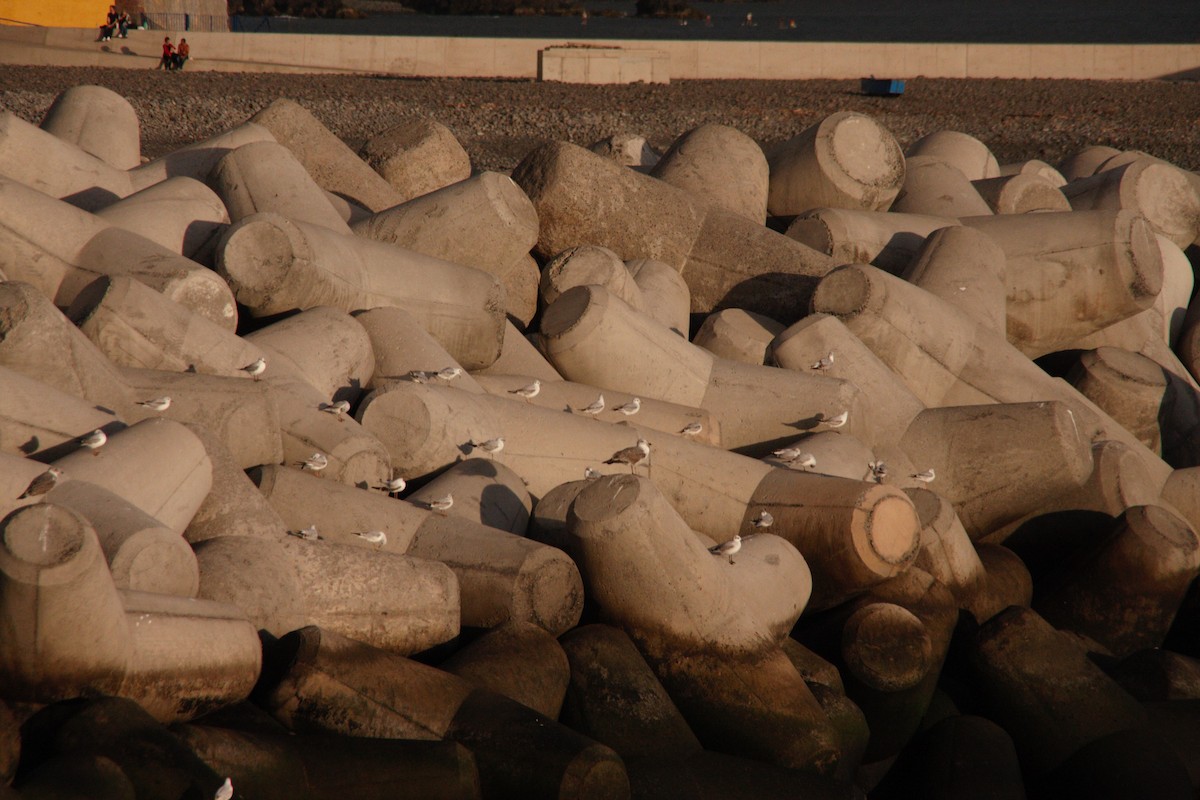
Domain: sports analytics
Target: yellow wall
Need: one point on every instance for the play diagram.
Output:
(54, 13)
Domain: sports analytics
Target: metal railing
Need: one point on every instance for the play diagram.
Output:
(188, 22)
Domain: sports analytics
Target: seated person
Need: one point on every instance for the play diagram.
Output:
(182, 53)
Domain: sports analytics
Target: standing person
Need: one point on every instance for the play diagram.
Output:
(182, 53)
(168, 55)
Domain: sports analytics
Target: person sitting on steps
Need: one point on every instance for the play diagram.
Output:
(167, 61)
(182, 53)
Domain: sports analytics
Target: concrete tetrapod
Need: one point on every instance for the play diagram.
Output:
(315, 680)
(737, 335)
(196, 160)
(652, 577)
(519, 660)
(68, 631)
(275, 264)
(887, 239)
(417, 157)
(1023, 193)
(593, 337)
(934, 188)
(332, 164)
(1070, 274)
(404, 350)
(58, 168)
(646, 218)
(484, 491)
(719, 165)
(1034, 166)
(966, 269)
(180, 213)
(853, 534)
(847, 160)
(1153, 189)
(483, 221)
(61, 249)
(501, 576)
(265, 176)
(98, 121)
(962, 151)
(38, 419)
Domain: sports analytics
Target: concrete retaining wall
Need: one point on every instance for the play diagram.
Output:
(518, 58)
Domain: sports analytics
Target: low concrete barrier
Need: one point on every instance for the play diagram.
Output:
(470, 57)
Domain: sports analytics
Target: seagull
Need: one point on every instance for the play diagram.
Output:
(418, 376)
(528, 392)
(878, 470)
(834, 422)
(442, 504)
(591, 474)
(631, 455)
(316, 462)
(924, 477)
(225, 792)
(394, 485)
(374, 537)
(449, 373)
(308, 534)
(788, 454)
(255, 368)
(491, 446)
(595, 408)
(823, 363)
(94, 441)
(630, 408)
(727, 548)
(763, 521)
(691, 429)
(42, 483)
(337, 409)
(157, 404)
(805, 460)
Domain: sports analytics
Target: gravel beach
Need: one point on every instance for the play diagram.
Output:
(498, 122)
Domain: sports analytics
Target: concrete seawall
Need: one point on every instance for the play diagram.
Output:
(473, 57)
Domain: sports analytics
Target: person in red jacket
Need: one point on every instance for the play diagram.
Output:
(168, 55)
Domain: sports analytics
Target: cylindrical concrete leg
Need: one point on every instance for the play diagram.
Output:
(627, 149)
(737, 335)
(484, 221)
(321, 681)
(181, 214)
(1124, 592)
(519, 357)
(196, 160)
(1154, 189)
(394, 602)
(1007, 582)
(64, 624)
(1060, 264)
(484, 491)
(157, 465)
(1041, 687)
(402, 347)
(991, 481)
(962, 151)
(847, 160)
(519, 660)
(135, 326)
(947, 553)
(37, 419)
(589, 264)
(812, 339)
(719, 165)
(325, 347)
(1021, 194)
(332, 164)
(190, 657)
(55, 167)
(265, 176)
(98, 121)
(664, 293)
(936, 188)
(1129, 387)
(966, 269)
(887, 239)
(1085, 163)
(1034, 166)
(614, 697)
(275, 264)
(501, 576)
(273, 766)
(417, 157)
(143, 554)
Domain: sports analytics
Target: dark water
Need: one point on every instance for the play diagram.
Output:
(1032, 21)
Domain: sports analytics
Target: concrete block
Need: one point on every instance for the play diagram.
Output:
(417, 157)
(98, 121)
(720, 165)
